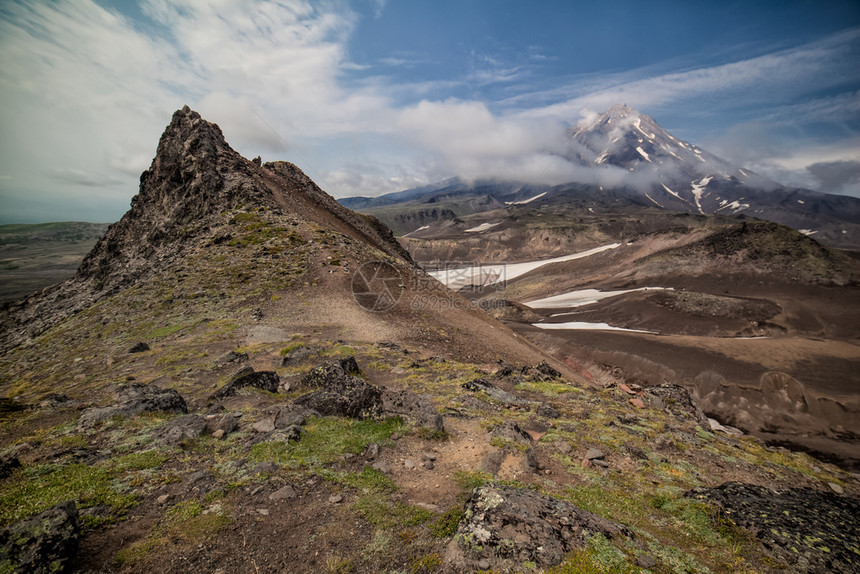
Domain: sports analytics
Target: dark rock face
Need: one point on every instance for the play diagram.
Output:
(42, 544)
(135, 399)
(247, 377)
(807, 530)
(181, 429)
(139, 347)
(340, 393)
(413, 407)
(505, 526)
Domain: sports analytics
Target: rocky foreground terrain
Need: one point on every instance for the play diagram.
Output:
(210, 394)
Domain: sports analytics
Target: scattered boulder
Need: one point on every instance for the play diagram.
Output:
(231, 357)
(811, 530)
(284, 416)
(226, 423)
(137, 398)
(297, 354)
(247, 377)
(545, 410)
(413, 407)
(319, 377)
(8, 464)
(139, 347)
(546, 372)
(42, 544)
(513, 431)
(284, 493)
(678, 401)
(503, 527)
(594, 454)
(492, 391)
(56, 400)
(340, 393)
(182, 429)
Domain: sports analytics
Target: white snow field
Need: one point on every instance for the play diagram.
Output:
(492, 273)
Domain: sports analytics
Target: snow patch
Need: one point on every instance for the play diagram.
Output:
(483, 227)
(492, 273)
(643, 154)
(800, 201)
(673, 193)
(808, 232)
(699, 189)
(735, 206)
(654, 200)
(525, 201)
(584, 297)
(636, 124)
(581, 326)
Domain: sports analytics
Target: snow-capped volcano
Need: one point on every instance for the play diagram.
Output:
(634, 162)
(671, 172)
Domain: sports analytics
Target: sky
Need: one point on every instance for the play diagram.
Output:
(376, 96)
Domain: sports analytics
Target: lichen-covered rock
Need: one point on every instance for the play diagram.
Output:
(321, 376)
(806, 530)
(247, 377)
(339, 392)
(678, 401)
(41, 544)
(503, 527)
(135, 399)
(413, 407)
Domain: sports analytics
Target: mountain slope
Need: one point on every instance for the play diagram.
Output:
(167, 416)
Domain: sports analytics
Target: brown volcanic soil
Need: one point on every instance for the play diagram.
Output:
(743, 303)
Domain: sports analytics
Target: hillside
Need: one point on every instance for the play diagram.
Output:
(244, 376)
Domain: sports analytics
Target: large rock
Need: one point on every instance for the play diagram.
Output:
(41, 544)
(810, 530)
(247, 377)
(182, 429)
(135, 399)
(678, 401)
(339, 392)
(413, 407)
(492, 391)
(319, 377)
(503, 527)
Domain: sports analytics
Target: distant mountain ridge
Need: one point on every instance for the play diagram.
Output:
(661, 170)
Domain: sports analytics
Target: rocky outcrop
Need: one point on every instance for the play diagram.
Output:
(339, 392)
(42, 544)
(135, 399)
(248, 377)
(805, 530)
(503, 527)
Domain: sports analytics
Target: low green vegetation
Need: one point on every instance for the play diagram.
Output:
(327, 439)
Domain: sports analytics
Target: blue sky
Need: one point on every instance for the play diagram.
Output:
(375, 96)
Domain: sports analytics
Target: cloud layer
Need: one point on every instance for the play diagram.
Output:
(87, 91)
